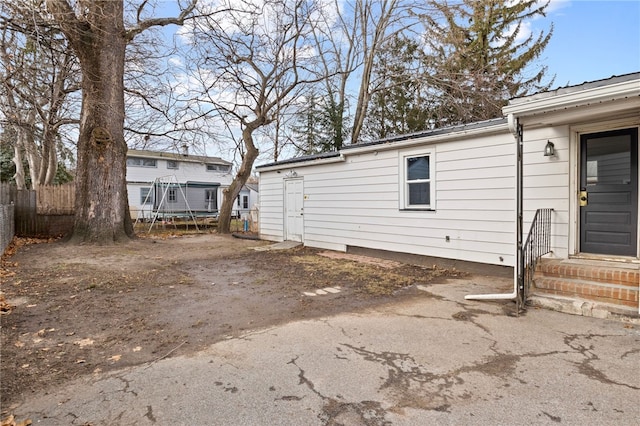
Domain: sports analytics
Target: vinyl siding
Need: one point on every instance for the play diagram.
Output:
(546, 182)
(138, 177)
(357, 202)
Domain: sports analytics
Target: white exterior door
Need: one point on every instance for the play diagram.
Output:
(294, 213)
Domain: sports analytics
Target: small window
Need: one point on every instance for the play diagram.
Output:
(172, 164)
(141, 162)
(417, 185)
(245, 201)
(172, 195)
(218, 168)
(146, 197)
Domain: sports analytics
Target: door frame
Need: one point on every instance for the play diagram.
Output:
(576, 133)
(284, 205)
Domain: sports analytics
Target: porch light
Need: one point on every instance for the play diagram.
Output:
(550, 149)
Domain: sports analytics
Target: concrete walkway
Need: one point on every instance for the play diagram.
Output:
(436, 361)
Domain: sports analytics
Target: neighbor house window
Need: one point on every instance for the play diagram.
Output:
(210, 200)
(145, 196)
(172, 164)
(141, 162)
(172, 195)
(417, 181)
(218, 168)
(245, 201)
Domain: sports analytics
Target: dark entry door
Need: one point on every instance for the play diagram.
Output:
(609, 185)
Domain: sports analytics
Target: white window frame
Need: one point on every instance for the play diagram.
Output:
(217, 168)
(140, 162)
(146, 197)
(404, 183)
(173, 164)
(172, 195)
(211, 199)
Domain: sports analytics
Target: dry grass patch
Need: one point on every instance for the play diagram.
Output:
(365, 277)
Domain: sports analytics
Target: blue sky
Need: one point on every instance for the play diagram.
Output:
(592, 39)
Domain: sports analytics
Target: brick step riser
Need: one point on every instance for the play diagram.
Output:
(610, 293)
(608, 276)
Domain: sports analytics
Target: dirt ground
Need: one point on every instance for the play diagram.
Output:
(81, 310)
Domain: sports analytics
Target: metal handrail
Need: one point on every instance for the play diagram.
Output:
(538, 244)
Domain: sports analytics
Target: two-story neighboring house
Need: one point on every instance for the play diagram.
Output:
(172, 183)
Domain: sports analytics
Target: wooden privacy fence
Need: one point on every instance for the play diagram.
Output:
(45, 212)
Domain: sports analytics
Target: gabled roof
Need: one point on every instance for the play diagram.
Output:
(143, 153)
(252, 187)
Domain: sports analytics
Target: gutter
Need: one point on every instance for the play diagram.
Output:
(289, 165)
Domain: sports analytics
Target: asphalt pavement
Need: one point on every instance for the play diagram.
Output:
(436, 361)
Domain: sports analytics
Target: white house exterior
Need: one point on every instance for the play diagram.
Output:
(458, 193)
(359, 198)
(247, 199)
(590, 125)
(175, 183)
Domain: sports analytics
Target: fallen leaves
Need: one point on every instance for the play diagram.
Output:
(115, 358)
(5, 307)
(11, 421)
(84, 342)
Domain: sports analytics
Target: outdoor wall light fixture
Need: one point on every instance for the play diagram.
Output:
(549, 149)
(291, 174)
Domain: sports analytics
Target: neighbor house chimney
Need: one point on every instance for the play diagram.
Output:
(185, 149)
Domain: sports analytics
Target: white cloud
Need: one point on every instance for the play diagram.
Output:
(555, 5)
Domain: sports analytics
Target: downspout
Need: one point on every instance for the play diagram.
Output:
(516, 130)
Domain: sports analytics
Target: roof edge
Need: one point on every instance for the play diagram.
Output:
(400, 141)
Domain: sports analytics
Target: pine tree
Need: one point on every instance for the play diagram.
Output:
(399, 104)
(319, 125)
(479, 56)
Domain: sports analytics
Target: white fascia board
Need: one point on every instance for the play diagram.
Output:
(523, 107)
(305, 163)
(172, 156)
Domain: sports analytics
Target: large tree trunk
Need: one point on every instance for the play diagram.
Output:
(101, 210)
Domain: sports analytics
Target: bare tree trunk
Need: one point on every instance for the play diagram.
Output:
(231, 193)
(17, 160)
(101, 210)
(388, 9)
(26, 140)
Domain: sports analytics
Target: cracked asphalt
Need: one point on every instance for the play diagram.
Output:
(442, 360)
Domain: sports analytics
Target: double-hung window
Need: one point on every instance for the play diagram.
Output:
(146, 197)
(417, 187)
(172, 195)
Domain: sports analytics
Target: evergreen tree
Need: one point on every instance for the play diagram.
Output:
(399, 104)
(7, 167)
(319, 125)
(479, 56)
